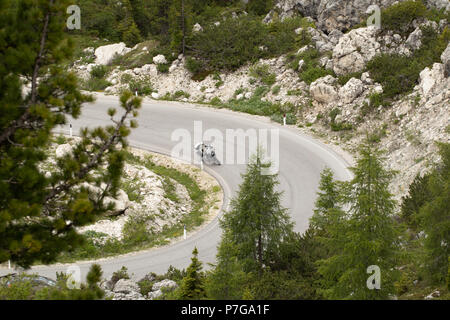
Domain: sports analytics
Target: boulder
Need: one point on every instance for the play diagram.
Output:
(62, 150)
(301, 63)
(445, 57)
(159, 59)
(431, 78)
(106, 54)
(354, 50)
(323, 90)
(197, 28)
(155, 95)
(351, 90)
(128, 296)
(126, 286)
(329, 14)
(165, 285)
(155, 294)
(414, 40)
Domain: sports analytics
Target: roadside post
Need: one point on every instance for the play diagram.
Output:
(284, 119)
(9, 264)
(70, 130)
(185, 233)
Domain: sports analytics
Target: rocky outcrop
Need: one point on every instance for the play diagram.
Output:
(330, 14)
(159, 59)
(445, 57)
(354, 50)
(351, 90)
(127, 289)
(430, 79)
(63, 150)
(323, 90)
(105, 54)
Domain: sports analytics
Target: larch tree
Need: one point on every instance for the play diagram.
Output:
(40, 211)
(257, 223)
(193, 284)
(366, 236)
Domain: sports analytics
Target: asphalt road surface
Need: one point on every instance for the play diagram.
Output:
(301, 160)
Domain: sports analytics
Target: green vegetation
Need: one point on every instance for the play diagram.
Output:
(256, 106)
(256, 222)
(399, 74)
(263, 74)
(354, 226)
(192, 286)
(311, 70)
(136, 235)
(143, 86)
(40, 214)
(400, 16)
(425, 210)
(25, 288)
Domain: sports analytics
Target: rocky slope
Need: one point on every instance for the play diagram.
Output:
(408, 129)
(151, 202)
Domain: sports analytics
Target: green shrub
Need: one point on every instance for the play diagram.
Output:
(230, 45)
(120, 274)
(276, 90)
(259, 7)
(376, 100)
(163, 68)
(145, 287)
(143, 86)
(178, 94)
(216, 101)
(193, 65)
(400, 16)
(239, 41)
(399, 74)
(311, 71)
(99, 71)
(95, 84)
(291, 119)
(262, 73)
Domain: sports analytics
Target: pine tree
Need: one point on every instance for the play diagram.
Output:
(227, 281)
(435, 217)
(180, 23)
(366, 236)
(257, 223)
(39, 213)
(130, 34)
(328, 203)
(192, 286)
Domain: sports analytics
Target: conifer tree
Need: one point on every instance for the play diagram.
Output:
(435, 217)
(227, 281)
(366, 236)
(257, 223)
(39, 212)
(328, 203)
(180, 23)
(192, 286)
